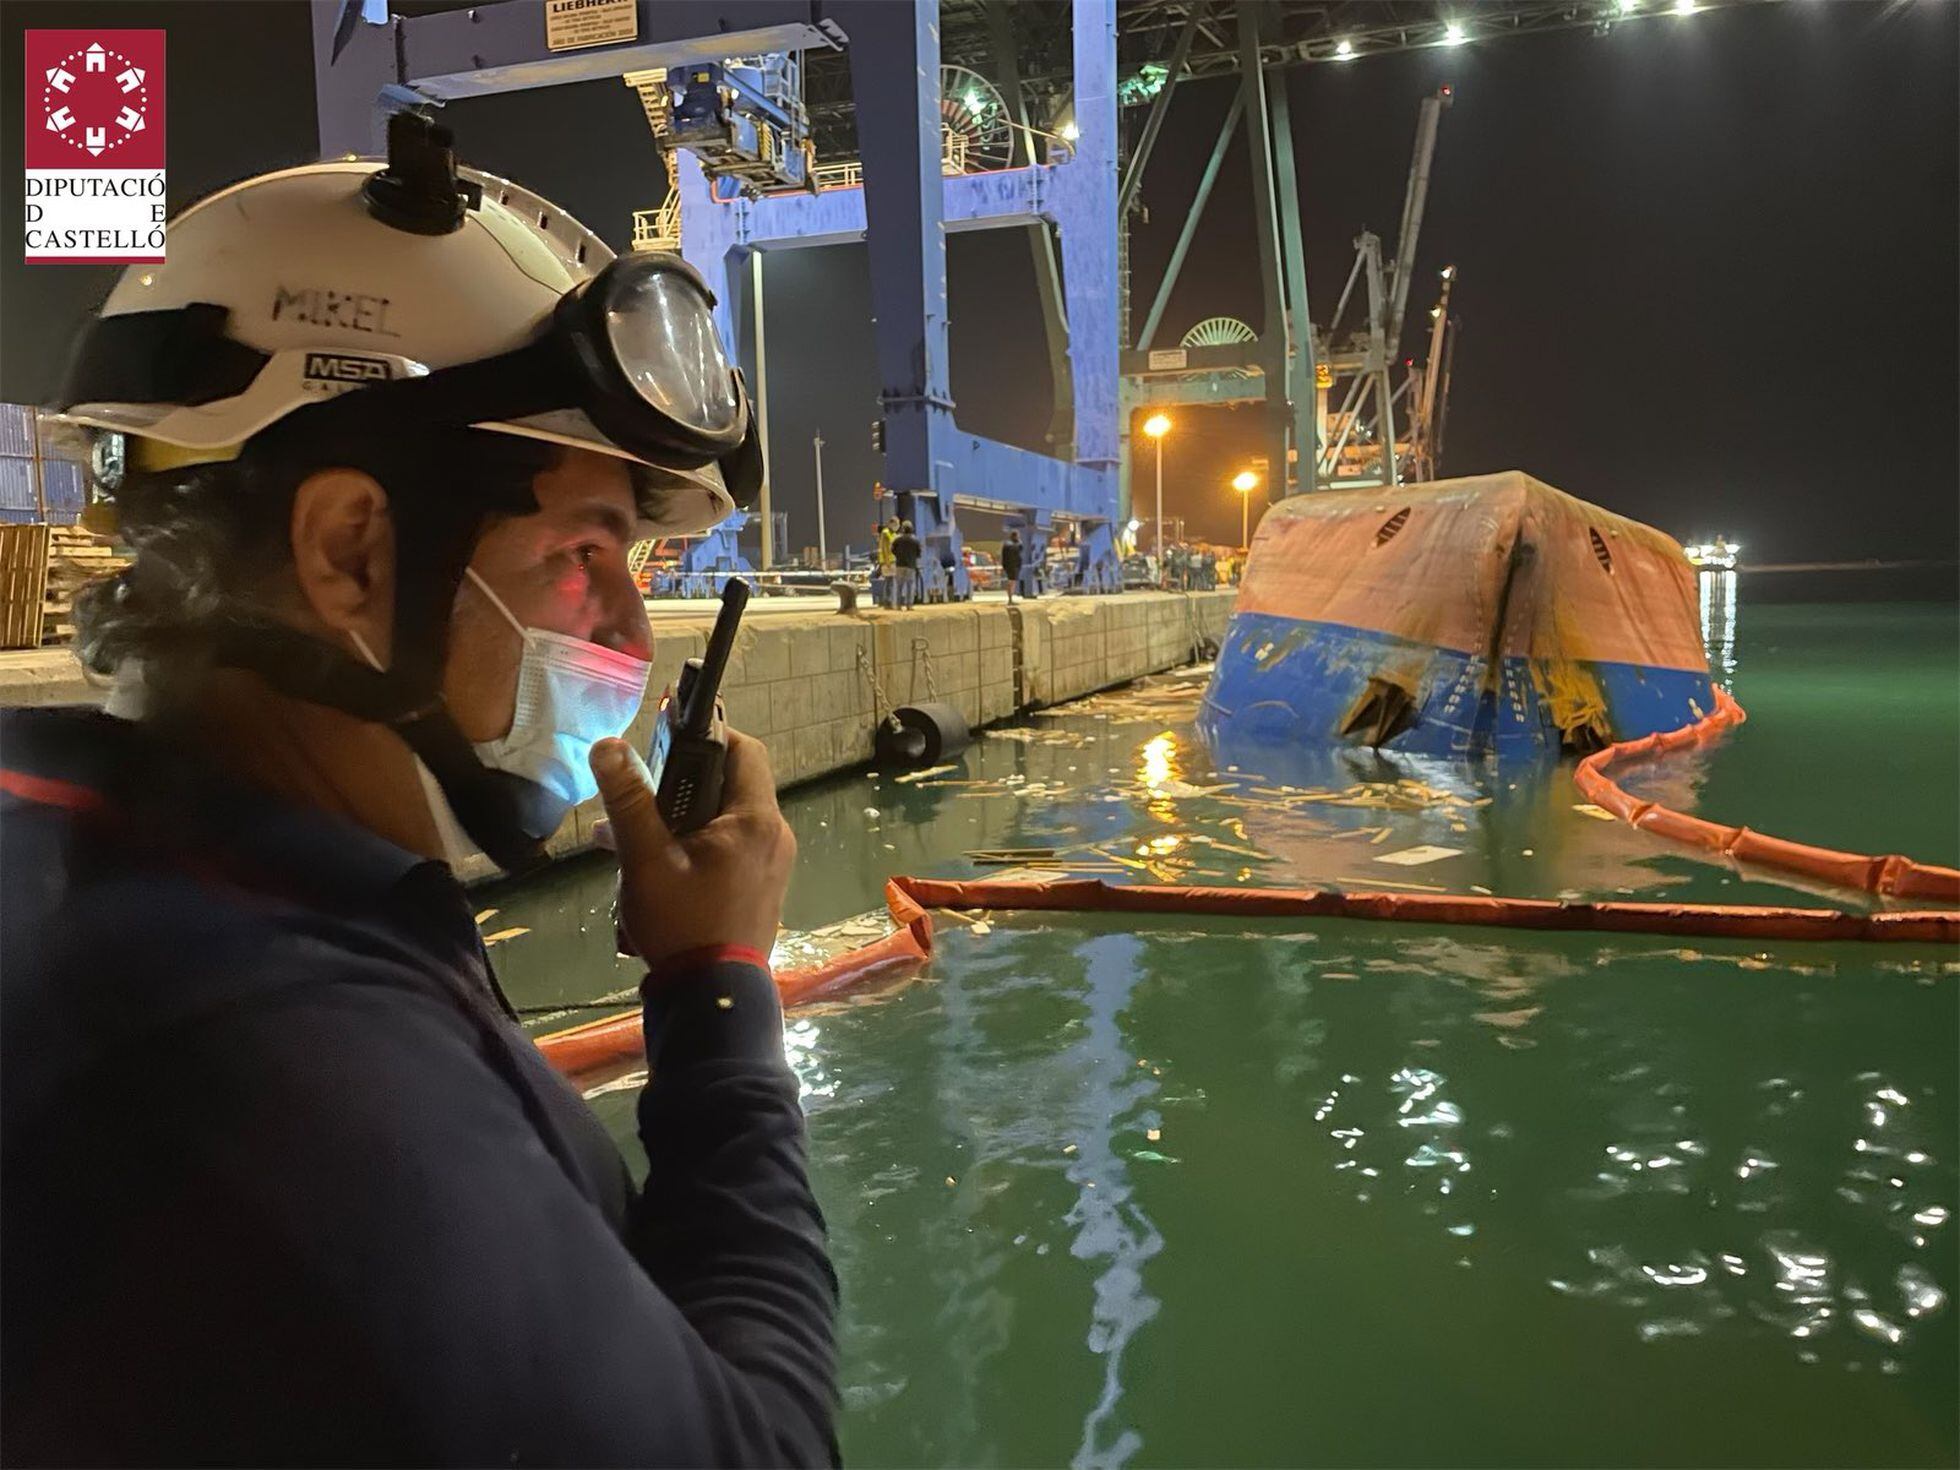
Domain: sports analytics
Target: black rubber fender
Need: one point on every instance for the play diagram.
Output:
(926, 735)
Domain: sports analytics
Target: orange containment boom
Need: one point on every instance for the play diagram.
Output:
(618, 1041)
(1892, 876)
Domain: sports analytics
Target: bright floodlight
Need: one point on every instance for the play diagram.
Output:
(1627, 7)
(1454, 34)
(973, 103)
(1070, 131)
(1244, 481)
(1343, 50)
(1684, 7)
(1156, 426)
(1449, 273)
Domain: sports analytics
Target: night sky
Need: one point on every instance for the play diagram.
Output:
(1708, 264)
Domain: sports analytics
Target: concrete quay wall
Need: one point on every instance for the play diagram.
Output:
(804, 682)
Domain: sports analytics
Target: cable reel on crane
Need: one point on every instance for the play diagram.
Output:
(976, 134)
(1221, 331)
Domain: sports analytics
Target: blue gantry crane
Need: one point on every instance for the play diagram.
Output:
(745, 176)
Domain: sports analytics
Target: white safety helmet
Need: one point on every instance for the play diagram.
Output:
(305, 286)
(350, 303)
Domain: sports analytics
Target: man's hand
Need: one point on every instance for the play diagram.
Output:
(720, 885)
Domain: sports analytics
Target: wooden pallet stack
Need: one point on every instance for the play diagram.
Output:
(76, 557)
(23, 584)
(41, 570)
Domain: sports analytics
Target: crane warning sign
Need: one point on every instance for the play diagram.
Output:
(572, 24)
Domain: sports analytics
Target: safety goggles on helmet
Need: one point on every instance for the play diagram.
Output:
(634, 348)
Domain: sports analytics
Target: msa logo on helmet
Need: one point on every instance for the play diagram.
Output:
(344, 369)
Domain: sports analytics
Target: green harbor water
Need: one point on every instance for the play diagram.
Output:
(1177, 1191)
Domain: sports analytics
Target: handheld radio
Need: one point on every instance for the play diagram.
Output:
(690, 739)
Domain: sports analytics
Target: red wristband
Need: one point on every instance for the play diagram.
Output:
(707, 954)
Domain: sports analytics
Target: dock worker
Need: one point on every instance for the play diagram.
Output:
(285, 1180)
(905, 554)
(887, 564)
(1010, 562)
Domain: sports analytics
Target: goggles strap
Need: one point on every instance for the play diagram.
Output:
(534, 378)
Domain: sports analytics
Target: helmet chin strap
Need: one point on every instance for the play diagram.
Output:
(507, 816)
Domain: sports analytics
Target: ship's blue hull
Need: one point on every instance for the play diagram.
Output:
(1286, 680)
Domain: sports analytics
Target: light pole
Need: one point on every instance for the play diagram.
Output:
(1245, 482)
(823, 551)
(1156, 426)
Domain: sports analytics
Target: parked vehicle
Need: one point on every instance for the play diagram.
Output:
(982, 570)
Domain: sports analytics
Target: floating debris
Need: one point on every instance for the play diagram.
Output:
(1216, 846)
(909, 777)
(1414, 857)
(1038, 735)
(486, 914)
(1597, 813)
(1173, 787)
(502, 934)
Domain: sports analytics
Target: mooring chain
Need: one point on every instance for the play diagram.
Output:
(878, 695)
(922, 652)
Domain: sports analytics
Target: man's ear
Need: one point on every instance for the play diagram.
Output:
(344, 554)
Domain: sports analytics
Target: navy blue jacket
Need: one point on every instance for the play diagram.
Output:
(282, 1181)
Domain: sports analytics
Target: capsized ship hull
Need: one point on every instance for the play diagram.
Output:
(1487, 614)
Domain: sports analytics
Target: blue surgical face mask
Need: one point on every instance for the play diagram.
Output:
(570, 695)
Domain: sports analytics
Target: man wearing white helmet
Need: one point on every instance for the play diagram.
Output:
(284, 1179)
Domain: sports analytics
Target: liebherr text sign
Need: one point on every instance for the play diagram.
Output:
(570, 24)
(94, 145)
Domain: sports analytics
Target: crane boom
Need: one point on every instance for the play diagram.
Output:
(1414, 198)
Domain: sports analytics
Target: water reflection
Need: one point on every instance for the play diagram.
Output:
(1718, 609)
(1111, 1227)
(1350, 817)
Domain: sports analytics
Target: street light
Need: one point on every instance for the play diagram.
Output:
(823, 544)
(1156, 426)
(1245, 482)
